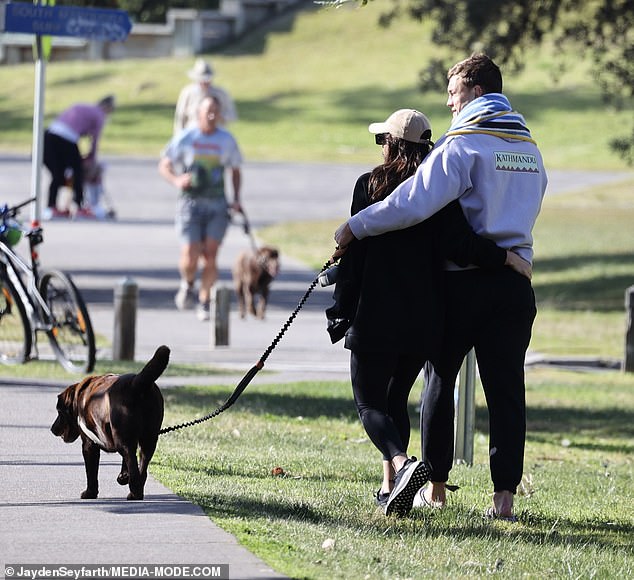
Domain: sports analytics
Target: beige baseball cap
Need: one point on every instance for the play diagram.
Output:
(408, 124)
(201, 72)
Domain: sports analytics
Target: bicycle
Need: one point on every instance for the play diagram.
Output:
(33, 301)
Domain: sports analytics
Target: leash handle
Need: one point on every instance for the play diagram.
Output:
(245, 223)
(246, 226)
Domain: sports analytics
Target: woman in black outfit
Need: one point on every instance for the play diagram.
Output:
(390, 292)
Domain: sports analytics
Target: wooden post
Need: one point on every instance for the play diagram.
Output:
(628, 363)
(465, 411)
(221, 316)
(125, 305)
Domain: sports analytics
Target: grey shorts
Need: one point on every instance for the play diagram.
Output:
(199, 218)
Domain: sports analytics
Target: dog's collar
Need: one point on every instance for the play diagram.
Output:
(92, 436)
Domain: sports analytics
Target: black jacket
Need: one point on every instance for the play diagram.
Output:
(389, 290)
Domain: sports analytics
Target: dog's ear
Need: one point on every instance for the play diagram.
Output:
(65, 426)
(269, 251)
(66, 399)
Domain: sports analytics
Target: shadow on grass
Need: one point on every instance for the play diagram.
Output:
(259, 404)
(257, 40)
(598, 293)
(544, 423)
(580, 261)
(609, 421)
(459, 523)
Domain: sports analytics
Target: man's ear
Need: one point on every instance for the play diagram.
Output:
(477, 90)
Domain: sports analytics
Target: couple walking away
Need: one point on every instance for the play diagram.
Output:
(434, 261)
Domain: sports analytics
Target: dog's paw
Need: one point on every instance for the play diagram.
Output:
(123, 478)
(89, 494)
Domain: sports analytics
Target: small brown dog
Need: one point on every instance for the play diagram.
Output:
(116, 413)
(253, 273)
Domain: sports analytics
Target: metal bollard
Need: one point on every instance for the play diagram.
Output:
(221, 316)
(628, 363)
(465, 411)
(125, 306)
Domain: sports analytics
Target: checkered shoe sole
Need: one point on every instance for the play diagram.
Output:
(402, 497)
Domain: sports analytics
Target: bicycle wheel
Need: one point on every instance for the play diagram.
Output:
(71, 336)
(15, 329)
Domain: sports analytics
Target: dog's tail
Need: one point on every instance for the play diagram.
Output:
(154, 368)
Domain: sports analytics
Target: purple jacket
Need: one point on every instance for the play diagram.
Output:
(80, 120)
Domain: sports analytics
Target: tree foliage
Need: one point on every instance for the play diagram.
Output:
(602, 30)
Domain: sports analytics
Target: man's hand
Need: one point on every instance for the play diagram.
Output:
(518, 264)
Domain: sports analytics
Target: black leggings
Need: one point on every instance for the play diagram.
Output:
(381, 383)
(60, 155)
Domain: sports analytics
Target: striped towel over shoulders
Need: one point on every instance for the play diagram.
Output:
(491, 114)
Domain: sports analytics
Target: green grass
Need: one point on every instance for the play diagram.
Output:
(575, 506)
(306, 88)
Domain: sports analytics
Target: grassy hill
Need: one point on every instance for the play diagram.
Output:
(306, 87)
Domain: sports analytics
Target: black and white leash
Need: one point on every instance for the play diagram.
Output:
(248, 377)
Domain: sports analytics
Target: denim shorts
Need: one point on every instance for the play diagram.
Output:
(200, 218)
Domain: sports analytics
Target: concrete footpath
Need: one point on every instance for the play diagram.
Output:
(42, 519)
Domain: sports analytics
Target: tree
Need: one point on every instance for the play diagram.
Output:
(602, 30)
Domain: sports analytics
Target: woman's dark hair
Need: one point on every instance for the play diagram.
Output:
(401, 161)
(107, 102)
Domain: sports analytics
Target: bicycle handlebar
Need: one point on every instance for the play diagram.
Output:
(6, 211)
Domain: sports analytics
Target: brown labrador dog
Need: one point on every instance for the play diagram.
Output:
(253, 273)
(116, 413)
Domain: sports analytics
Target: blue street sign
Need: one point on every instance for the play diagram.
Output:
(92, 23)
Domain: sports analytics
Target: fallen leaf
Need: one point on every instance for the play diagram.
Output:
(328, 544)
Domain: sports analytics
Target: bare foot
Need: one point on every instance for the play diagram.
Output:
(435, 494)
(502, 506)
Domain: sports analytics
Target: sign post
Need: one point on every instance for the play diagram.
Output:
(38, 19)
(38, 134)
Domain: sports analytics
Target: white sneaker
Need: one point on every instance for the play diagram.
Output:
(421, 502)
(185, 297)
(419, 499)
(203, 311)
